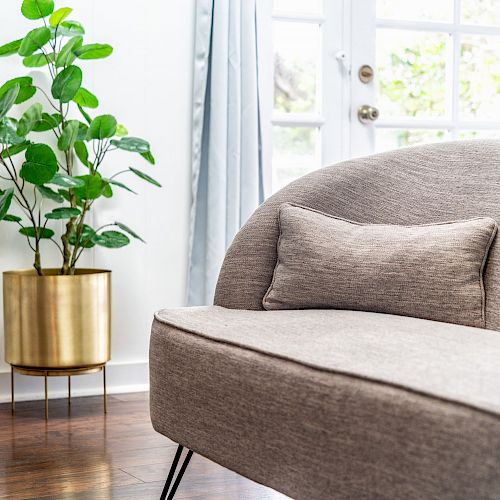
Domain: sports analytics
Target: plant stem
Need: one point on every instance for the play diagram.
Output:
(25, 204)
(67, 268)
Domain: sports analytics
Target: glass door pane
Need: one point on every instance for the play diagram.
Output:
(479, 77)
(411, 69)
(297, 51)
(416, 10)
(485, 12)
(296, 152)
(298, 7)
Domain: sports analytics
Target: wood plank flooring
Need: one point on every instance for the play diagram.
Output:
(86, 455)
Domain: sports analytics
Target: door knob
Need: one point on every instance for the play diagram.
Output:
(368, 113)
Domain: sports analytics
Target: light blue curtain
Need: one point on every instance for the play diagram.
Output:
(228, 176)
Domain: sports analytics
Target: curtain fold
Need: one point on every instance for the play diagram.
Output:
(228, 179)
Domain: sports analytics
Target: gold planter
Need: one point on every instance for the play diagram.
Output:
(57, 322)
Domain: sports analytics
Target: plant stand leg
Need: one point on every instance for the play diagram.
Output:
(46, 397)
(12, 399)
(171, 474)
(69, 390)
(104, 389)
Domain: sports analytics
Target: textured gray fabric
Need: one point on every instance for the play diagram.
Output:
(446, 361)
(323, 404)
(316, 434)
(420, 185)
(432, 271)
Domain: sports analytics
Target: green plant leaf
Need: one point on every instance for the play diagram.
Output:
(30, 117)
(85, 115)
(144, 176)
(67, 83)
(70, 28)
(112, 239)
(59, 15)
(66, 181)
(107, 190)
(40, 165)
(38, 60)
(69, 135)
(132, 233)
(82, 131)
(63, 213)
(36, 9)
(120, 185)
(48, 122)
(26, 88)
(8, 132)
(12, 218)
(133, 144)
(92, 189)
(149, 157)
(86, 239)
(86, 99)
(94, 51)
(102, 127)
(5, 202)
(50, 194)
(67, 55)
(31, 232)
(121, 130)
(8, 99)
(11, 48)
(82, 152)
(14, 150)
(34, 41)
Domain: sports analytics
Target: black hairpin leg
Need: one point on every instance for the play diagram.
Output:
(172, 472)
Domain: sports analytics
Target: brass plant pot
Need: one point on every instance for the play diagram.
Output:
(57, 322)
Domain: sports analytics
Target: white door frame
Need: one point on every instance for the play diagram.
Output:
(360, 40)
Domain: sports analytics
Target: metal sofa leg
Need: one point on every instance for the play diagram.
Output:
(171, 474)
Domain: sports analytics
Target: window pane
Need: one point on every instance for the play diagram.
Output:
(479, 134)
(480, 77)
(306, 7)
(296, 66)
(485, 12)
(295, 153)
(387, 138)
(411, 69)
(416, 10)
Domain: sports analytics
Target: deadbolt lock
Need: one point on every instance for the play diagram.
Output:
(368, 113)
(366, 73)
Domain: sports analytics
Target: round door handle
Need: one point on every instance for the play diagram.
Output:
(368, 113)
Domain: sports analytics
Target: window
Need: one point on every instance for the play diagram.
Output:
(438, 68)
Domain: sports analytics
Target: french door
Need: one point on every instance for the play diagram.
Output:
(352, 77)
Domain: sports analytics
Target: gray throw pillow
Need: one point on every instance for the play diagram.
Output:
(432, 271)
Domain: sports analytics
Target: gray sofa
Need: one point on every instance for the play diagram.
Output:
(322, 404)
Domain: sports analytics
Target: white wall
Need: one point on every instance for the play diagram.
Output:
(146, 84)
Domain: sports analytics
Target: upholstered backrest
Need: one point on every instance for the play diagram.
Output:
(424, 184)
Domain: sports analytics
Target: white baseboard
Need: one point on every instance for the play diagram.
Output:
(121, 377)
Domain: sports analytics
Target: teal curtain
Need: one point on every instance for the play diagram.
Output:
(228, 172)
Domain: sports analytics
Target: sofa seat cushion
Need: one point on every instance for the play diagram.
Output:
(454, 362)
(332, 404)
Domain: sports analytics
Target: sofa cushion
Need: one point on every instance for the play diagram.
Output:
(430, 271)
(332, 404)
(447, 361)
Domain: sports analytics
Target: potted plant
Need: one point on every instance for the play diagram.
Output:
(52, 166)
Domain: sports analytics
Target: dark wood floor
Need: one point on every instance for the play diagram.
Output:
(86, 455)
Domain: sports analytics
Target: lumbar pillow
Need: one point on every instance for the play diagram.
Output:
(432, 271)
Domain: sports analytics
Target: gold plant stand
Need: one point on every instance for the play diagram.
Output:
(50, 372)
